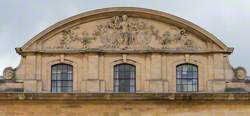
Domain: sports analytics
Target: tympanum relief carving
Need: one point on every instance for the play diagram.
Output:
(123, 32)
(174, 36)
(69, 36)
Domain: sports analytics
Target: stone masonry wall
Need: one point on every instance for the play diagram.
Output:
(115, 108)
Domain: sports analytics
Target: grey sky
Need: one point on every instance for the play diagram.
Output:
(20, 20)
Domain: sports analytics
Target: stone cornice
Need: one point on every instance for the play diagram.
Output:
(70, 51)
(200, 97)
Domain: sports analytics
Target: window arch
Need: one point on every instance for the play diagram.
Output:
(124, 78)
(187, 78)
(61, 78)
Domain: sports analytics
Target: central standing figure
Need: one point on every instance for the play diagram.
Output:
(126, 35)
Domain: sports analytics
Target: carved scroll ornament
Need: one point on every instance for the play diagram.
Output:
(8, 73)
(240, 73)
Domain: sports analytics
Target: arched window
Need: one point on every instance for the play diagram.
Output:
(124, 78)
(187, 78)
(61, 78)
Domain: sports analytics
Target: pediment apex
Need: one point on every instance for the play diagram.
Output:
(129, 12)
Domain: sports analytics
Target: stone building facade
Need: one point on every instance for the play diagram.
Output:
(124, 54)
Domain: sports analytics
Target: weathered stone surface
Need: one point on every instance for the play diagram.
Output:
(124, 109)
(154, 42)
(48, 104)
(107, 97)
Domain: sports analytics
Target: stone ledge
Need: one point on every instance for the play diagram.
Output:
(140, 51)
(201, 97)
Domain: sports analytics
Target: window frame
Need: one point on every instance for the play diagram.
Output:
(59, 74)
(116, 80)
(194, 79)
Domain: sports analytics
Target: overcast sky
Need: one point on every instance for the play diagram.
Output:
(229, 20)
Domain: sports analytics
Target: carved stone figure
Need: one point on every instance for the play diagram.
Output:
(85, 39)
(173, 35)
(8, 73)
(69, 36)
(188, 43)
(240, 73)
(124, 32)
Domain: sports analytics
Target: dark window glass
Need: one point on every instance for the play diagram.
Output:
(61, 78)
(187, 78)
(124, 78)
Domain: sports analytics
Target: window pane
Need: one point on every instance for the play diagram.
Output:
(195, 74)
(132, 74)
(116, 75)
(66, 83)
(184, 68)
(190, 87)
(53, 89)
(58, 89)
(69, 77)
(66, 89)
(53, 83)
(116, 89)
(194, 87)
(190, 81)
(64, 76)
(178, 81)
(132, 89)
(194, 81)
(185, 88)
(58, 76)
(59, 83)
(190, 75)
(132, 82)
(64, 69)
(54, 76)
(178, 74)
(184, 81)
(70, 69)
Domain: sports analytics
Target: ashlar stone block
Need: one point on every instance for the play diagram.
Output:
(95, 85)
(157, 86)
(30, 86)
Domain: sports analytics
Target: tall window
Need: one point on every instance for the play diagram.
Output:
(187, 78)
(124, 78)
(62, 78)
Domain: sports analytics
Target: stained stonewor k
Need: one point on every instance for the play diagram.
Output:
(154, 42)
